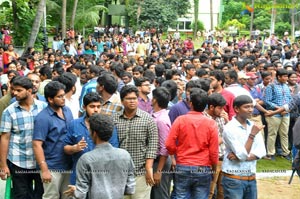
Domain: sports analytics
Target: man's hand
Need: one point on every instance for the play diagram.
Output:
(46, 176)
(256, 129)
(173, 164)
(157, 177)
(149, 177)
(4, 172)
(224, 115)
(70, 191)
(231, 156)
(81, 145)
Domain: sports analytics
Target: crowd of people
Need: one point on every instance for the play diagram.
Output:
(119, 115)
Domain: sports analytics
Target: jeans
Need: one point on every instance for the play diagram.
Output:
(239, 189)
(27, 183)
(192, 182)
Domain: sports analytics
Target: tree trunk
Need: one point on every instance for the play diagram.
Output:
(73, 14)
(273, 18)
(63, 18)
(252, 17)
(211, 15)
(15, 15)
(196, 13)
(36, 24)
(293, 10)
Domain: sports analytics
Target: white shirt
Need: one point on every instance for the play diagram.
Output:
(235, 137)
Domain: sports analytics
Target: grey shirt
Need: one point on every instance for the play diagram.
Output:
(105, 172)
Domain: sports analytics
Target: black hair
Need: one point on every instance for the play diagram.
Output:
(91, 97)
(103, 125)
(199, 99)
(96, 70)
(46, 71)
(139, 81)
(171, 86)
(205, 83)
(68, 79)
(14, 72)
(23, 82)
(189, 67)
(216, 99)
(281, 72)
(265, 74)
(171, 72)
(52, 88)
(232, 75)
(150, 75)
(109, 82)
(128, 74)
(159, 80)
(162, 96)
(219, 75)
(241, 100)
(159, 70)
(139, 69)
(291, 72)
(200, 72)
(128, 89)
(59, 69)
(117, 68)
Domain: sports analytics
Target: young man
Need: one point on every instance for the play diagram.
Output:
(144, 87)
(78, 140)
(162, 164)
(105, 165)
(215, 111)
(16, 154)
(137, 134)
(193, 138)
(277, 95)
(244, 145)
(50, 129)
(45, 75)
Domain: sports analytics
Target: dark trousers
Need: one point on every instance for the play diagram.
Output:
(27, 183)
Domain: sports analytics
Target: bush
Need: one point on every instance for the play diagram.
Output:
(200, 26)
(281, 27)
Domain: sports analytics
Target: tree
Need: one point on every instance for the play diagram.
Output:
(73, 14)
(63, 18)
(36, 24)
(235, 23)
(196, 13)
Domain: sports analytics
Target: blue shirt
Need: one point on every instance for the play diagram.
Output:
(277, 94)
(18, 122)
(52, 130)
(181, 108)
(75, 132)
(255, 92)
(87, 88)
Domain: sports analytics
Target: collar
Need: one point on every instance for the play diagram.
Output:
(237, 123)
(52, 112)
(159, 113)
(138, 113)
(16, 104)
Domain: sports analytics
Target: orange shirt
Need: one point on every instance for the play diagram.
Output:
(193, 138)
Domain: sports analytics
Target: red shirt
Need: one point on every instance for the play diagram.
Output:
(228, 108)
(193, 138)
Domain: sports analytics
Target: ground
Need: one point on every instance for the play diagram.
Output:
(278, 187)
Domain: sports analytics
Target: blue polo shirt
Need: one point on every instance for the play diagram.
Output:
(76, 130)
(52, 130)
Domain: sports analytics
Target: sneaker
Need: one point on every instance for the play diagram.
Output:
(287, 157)
(269, 157)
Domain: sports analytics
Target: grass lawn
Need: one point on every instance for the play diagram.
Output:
(280, 163)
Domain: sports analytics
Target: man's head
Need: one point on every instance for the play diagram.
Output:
(282, 75)
(55, 94)
(231, 77)
(36, 81)
(101, 127)
(243, 106)
(215, 104)
(69, 80)
(129, 97)
(198, 99)
(91, 103)
(137, 72)
(22, 88)
(93, 71)
(107, 83)
(161, 97)
(217, 78)
(143, 85)
(251, 81)
(45, 73)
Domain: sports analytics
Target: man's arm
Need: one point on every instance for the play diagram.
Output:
(40, 158)
(4, 170)
(130, 185)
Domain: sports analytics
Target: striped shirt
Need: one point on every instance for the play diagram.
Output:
(112, 105)
(19, 123)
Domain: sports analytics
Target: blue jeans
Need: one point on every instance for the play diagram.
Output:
(239, 189)
(192, 182)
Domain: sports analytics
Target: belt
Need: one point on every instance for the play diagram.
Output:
(255, 115)
(247, 178)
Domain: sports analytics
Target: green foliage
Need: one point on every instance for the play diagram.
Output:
(235, 23)
(156, 13)
(200, 25)
(281, 27)
(89, 18)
